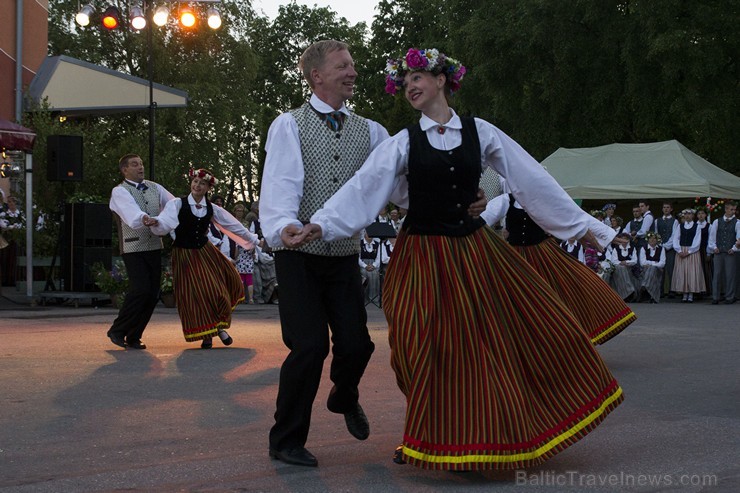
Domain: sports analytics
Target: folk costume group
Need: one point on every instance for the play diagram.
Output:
(497, 364)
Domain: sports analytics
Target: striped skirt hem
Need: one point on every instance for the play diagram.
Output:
(601, 312)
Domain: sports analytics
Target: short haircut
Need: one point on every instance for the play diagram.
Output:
(731, 202)
(643, 201)
(123, 162)
(315, 55)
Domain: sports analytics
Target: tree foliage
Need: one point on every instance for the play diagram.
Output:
(551, 74)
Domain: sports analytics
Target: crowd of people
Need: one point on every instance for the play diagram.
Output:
(688, 255)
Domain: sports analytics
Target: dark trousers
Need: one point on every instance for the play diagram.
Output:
(318, 294)
(724, 269)
(144, 271)
(670, 260)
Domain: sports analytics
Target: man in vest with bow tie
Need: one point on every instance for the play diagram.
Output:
(135, 203)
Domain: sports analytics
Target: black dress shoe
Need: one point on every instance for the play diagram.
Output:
(715, 302)
(136, 345)
(298, 456)
(357, 423)
(117, 340)
(729, 302)
(398, 455)
(206, 344)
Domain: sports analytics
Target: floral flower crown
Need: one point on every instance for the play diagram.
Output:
(203, 174)
(598, 214)
(653, 234)
(430, 60)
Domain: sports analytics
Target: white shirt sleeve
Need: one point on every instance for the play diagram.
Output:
(168, 218)
(647, 224)
(496, 209)
(123, 204)
(696, 244)
(229, 222)
(712, 242)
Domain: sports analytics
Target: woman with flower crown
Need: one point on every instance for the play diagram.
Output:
(207, 287)
(496, 371)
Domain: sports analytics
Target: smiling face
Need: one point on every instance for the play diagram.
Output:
(199, 187)
(334, 79)
(422, 88)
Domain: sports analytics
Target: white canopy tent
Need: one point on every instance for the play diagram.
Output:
(634, 171)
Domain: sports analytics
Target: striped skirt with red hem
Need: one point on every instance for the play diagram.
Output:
(600, 310)
(496, 370)
(207, 288)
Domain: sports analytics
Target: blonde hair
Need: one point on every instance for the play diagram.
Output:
(315, 55)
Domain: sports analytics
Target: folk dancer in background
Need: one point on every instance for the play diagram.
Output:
(136, 203)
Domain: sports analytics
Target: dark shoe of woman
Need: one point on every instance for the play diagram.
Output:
(206, 344)
(225, 338)
(398, 455)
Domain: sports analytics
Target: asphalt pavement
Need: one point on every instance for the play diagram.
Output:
(78, 414)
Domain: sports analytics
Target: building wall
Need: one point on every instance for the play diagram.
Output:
(35, 46)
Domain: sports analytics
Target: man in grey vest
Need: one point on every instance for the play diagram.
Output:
(665, 226)
(136, 203)
(724, 234)
(311, 152)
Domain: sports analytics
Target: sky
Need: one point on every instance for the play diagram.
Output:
(354, 10)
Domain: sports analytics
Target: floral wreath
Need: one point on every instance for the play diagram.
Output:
(203, 174)
(609, 206)
(688, 211)
(653, 234)
(430, 60)
(598, 214)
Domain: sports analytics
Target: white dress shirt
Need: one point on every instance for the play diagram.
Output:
(124, 204)
(629, 262)
(660, 263)
(383, 178)
(647, 224)
(712, 244)
(282, 178)
(368, 247)
(168, 218)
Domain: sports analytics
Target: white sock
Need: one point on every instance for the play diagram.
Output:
(223, 335)
(691, 296)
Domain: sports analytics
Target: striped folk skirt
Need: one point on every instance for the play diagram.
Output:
(600, 311)
(688, 276)
(207, 288)
(496, 371)
(651, 280)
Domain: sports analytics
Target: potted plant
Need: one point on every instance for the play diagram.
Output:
(166, 287)
(114, 281)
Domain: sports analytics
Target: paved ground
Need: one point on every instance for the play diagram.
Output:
(78, 414)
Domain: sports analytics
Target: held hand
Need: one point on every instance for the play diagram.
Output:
(477, 207)
(292, 236)
(370, 267)
(590, 240)
(149, 221)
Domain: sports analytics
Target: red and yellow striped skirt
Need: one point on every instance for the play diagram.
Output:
(600, 310)
(496, 370)
(207, 289)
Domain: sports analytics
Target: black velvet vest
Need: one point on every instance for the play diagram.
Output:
(653, 258)
(687, 235)
(192, 232)
(523, 231)
(442, 184)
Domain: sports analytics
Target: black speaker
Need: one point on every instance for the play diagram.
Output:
(76, 267)
(88, 225)
(64, 158)
(87, 240)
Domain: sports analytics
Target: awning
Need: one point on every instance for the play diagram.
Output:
(14, 137)
(74, 87)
